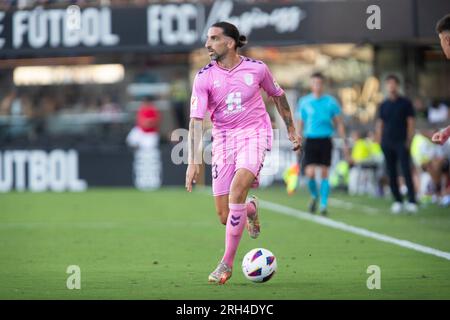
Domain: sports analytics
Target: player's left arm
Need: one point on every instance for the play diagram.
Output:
(285, 112)
(272, 88)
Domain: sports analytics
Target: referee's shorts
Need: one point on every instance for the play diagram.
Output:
(317, 151)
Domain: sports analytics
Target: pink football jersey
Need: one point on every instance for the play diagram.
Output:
(233, 97)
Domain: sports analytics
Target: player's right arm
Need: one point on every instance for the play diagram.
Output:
(194, 152)
(199, 103)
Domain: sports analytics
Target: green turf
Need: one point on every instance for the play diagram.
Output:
(163, 244)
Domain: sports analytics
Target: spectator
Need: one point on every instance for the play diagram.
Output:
(429, 160)
(365, 162)
(6, 103)
(145, 133)
(179, 94)
(395, 129)
(420, 109)
(109, 107)
(437, 112)
(110, 112)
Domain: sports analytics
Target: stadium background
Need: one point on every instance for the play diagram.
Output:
(151, 45)
(68, 114)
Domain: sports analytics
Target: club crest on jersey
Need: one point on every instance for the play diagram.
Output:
(194, 102)
(248, 78)
(216, 83)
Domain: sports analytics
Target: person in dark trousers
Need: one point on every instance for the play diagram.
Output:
(395, 128)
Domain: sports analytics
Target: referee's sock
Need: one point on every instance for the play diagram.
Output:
(312, 186)
(324, 191)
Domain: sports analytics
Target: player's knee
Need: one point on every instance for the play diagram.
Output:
(238, 196)
(309, 171)
(238, 193)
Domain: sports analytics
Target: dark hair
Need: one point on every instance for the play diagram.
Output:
(231, 31)
(318, 75)
(443, 24)
(393, 77)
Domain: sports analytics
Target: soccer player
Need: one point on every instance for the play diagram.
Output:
(229, 88)
(443, 30)
(318, 115)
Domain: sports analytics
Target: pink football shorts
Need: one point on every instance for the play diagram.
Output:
(233, 153)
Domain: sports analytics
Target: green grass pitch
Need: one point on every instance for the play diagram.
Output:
(163, 244)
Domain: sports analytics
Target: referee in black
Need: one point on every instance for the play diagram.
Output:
(395, 125)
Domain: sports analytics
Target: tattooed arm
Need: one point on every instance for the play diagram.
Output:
(195, 152)
(285, 112)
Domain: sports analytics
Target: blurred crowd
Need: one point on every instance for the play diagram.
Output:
(433, 112)
(365, 170)
(45, 103)
(27, 118)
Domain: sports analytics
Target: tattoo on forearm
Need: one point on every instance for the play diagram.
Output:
(284, 110)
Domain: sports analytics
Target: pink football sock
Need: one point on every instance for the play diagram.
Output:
(251, 209)
(235, 226)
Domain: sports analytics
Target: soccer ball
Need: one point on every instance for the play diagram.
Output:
(259, 265)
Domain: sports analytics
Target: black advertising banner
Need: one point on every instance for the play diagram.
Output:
(181, 27)
(429, 12)
(41, 169)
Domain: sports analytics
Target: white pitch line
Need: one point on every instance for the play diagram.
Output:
(348, 205)
(356, 230)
